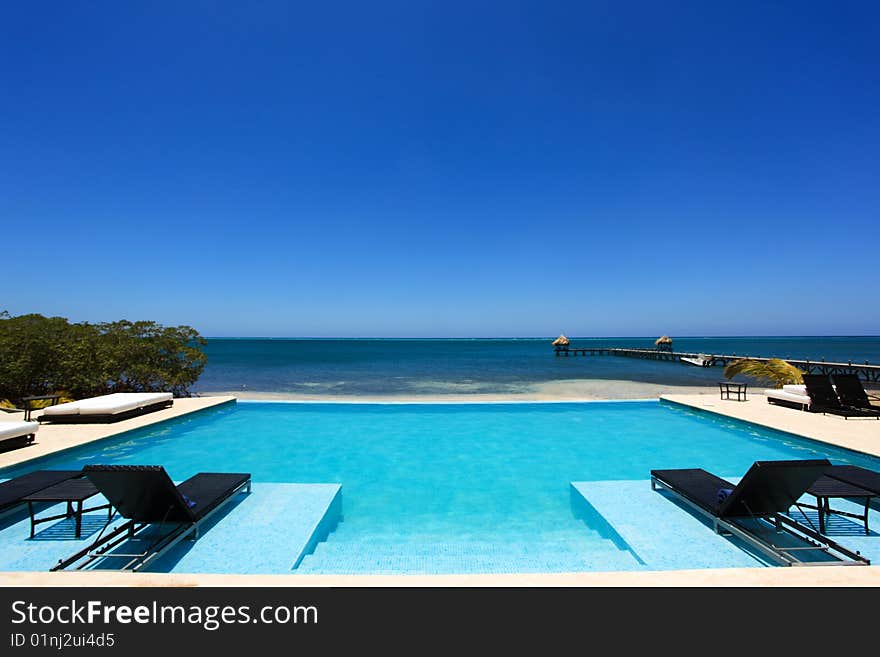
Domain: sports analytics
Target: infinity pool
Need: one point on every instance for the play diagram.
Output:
(438, 488)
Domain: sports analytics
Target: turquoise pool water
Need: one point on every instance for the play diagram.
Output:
(454, 487)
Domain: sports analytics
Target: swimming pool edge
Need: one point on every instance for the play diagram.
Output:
(89, 434)
(442, 402)
(861, 437)
(721, 577)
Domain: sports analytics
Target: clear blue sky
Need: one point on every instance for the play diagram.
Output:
(444, 169)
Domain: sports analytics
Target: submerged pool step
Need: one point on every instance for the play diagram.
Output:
(440, 562)
(366, 555)
(269, 531)
(662, 533)
(667, 535)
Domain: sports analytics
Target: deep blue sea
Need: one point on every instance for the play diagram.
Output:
(455, 366)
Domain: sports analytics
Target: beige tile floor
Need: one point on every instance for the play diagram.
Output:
(53, 438)
(860, 435)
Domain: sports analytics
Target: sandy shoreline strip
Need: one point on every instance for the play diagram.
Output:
(568, 390)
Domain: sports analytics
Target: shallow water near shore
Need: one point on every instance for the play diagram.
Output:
(490, 368)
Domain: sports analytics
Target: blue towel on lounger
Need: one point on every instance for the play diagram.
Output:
(723, 494)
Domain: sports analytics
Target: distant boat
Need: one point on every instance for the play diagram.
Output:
(700, 361)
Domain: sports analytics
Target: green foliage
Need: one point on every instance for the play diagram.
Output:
(41, 355)
(775, 371)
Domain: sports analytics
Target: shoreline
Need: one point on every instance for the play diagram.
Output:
(567, 390)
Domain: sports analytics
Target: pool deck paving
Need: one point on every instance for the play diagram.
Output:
(611, 499)
(857, 434)
(831, 576)
(52, 438)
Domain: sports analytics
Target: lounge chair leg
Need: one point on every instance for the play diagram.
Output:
(79, 519)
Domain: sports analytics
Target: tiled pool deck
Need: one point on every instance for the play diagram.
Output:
(860, 435)
(303, 514)
(52, 438)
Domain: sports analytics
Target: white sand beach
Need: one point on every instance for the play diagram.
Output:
(565, 390)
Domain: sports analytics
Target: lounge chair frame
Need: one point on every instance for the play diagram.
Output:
(16, 442)
(780, 555)
(788, 403)
(100, 548)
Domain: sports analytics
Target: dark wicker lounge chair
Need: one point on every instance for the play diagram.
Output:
(857, 476)
(756, 508)
(12, 491)
(824, 399)
(857, 484)
(146, 496)
(851, 392)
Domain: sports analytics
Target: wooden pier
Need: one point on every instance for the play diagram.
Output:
(869, 373)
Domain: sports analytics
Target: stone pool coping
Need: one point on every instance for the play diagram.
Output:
(788, 577)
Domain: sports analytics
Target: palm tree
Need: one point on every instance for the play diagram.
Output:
(774, 371)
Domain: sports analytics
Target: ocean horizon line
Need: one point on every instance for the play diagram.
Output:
(524, 338)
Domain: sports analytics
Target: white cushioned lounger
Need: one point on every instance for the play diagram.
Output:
(22, 432)
(111, 406)
(789, 395)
